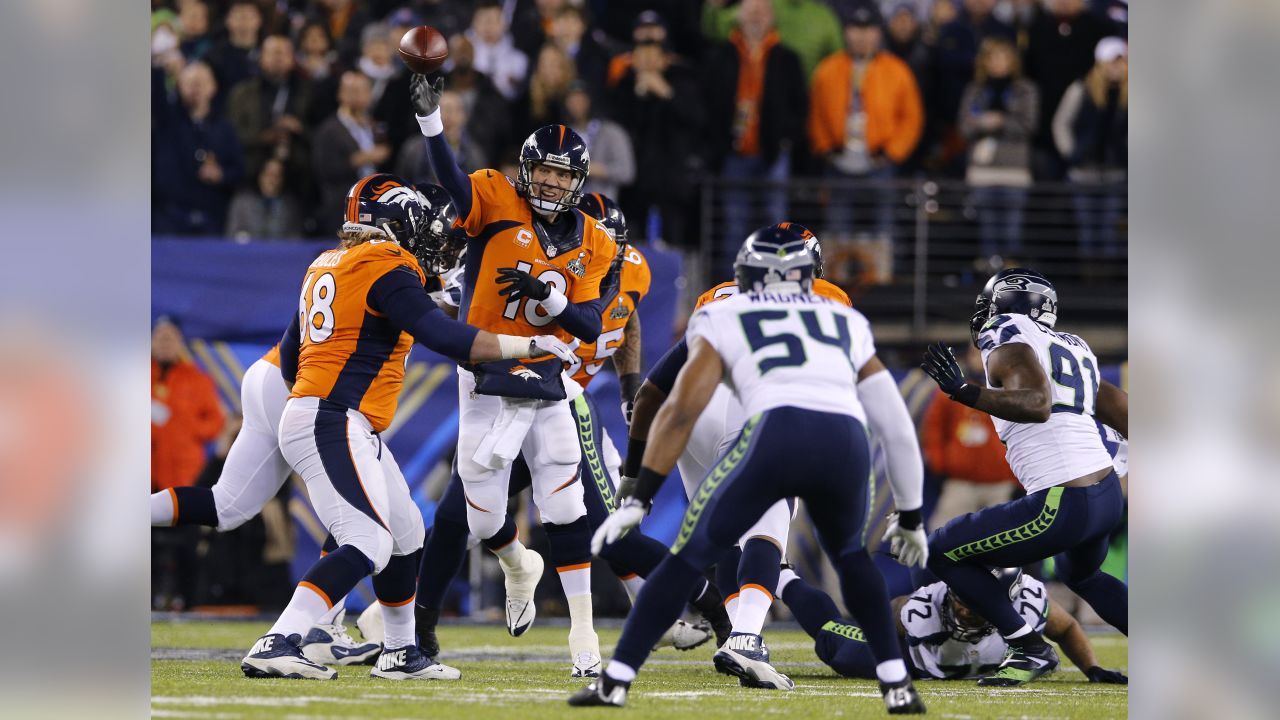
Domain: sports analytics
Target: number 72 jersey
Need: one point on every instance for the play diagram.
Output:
(1068, 446)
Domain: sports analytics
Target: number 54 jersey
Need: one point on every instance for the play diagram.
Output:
(788, 350)
(1068, 446)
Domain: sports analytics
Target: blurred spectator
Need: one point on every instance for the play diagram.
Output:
(957, 51)
(569, 33)
(376, 55)
(1091, 130)
(1059, 51)
(807, 27)
(490, 124)
(450, 17)
(997, 120)
(941, 14)
(266, 212)
(346, 147)
(613, 160)
(185, 414)
(345, 21)
(865, 118)
(392, 108)
(1117, 12)
(235, 57)
(552, 77)
(530, 22)
(658, 102)
(193, 30)
(267, 112)
(905, 38)
(756, 102)
(961, 445)
(196, 159)
(316, 56)
(650, 29)
(682, 18)
(412, 165)
(495, 52)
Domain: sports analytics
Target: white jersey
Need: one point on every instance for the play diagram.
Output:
(1115, 444)
(1067, 446)
(932, 647)
(788, 350)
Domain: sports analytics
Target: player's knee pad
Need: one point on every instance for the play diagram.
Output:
(485, 524)
(229, 516)
(409, 538)
(372, 540)
(563, 506)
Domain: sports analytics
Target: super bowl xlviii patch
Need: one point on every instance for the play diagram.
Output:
(575, 265)
(619, 312)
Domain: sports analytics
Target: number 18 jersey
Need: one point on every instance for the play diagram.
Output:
(1043, 455)
(795, 350)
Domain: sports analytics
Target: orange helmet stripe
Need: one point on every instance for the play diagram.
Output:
(353, 200)
(562, 136)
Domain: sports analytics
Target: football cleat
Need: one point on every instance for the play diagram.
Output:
(685, 635)
(711, 606)
(410, 663)
(331, 645)
(520, 585)
(275, 655)
(425, 621)
(745, 657)
(901, 698)
(1021, 666)
(370, 624)
(586, 665)
(602, 692)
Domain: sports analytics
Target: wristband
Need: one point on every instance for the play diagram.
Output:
(967, 394)
(910, 519)
(635, 454)
(431, 125)
(647, 484)
(556, 302)
(515, 347)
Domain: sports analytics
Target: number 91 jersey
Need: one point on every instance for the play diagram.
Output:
(634, 282)
(798, 350)
(1067, 446)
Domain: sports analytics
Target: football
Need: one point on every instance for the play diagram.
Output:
(424, 49)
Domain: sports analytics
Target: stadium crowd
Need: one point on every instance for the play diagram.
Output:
(264, 113)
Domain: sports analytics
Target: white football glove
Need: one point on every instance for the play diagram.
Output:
(552, 345)
(911, 546)
(617, 524)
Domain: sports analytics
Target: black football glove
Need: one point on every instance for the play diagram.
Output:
(941, 365)
(521, 284)
(424, 95)
(1102, 675)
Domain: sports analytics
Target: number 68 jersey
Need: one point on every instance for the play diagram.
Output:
(797, 350)
(1067, 446)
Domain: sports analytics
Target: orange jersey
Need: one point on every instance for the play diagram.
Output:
(350, 353)
(635, 282)
(820, 287)
(503, 235)
(273, 355)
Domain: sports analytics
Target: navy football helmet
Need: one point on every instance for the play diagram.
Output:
(774, 254)
(1018, 291)
(442, 241)
(604, 209)
(810, 241)
(387, 204)
(556, 146)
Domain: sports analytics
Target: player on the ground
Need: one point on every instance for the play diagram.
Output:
(944, 639)
(626, 283)
(1043, 392)
(795, 361)
(750, 580)
(362, 306)
(532, 265)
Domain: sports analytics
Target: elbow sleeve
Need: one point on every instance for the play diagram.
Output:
(582, 320)
(890, 421)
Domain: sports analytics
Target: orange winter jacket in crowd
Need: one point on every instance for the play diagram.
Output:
(891, 100)
(187, 396)
(960, 442)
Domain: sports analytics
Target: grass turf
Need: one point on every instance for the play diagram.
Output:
(195, 672)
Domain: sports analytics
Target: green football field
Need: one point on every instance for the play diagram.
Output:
(195, 673)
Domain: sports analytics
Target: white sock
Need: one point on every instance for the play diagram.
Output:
(304, 607)
(331, 617)
(582, 632)
(398, 621)
(509, 555)
(575, 579)
(1024, 630)
(163, 506)
(731, 605)
(785, 577)
(632, 583)
(620, 672)
(891, 671)
(753, 605)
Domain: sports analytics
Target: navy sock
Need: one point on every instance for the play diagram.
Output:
(811, 607)
(760, 564)
(635, 553)
(504, 537)
(727, 573)
(980, 590)
(659, 604)
(195, 507)
(867, 598)
(442, 555)
(398, 581)
(337, 573)
(570, 544)
(1108, 596)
